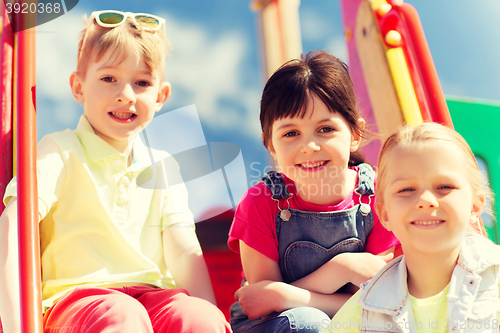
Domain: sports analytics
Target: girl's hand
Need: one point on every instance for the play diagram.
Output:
(260, 299)
(363, 266)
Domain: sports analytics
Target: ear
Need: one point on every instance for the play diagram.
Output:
(163, 95)
(270, 147)
(383, 218)
(477, 207)
(356, 138)
(76, 84)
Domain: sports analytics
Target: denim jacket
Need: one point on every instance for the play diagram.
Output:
(473, 297)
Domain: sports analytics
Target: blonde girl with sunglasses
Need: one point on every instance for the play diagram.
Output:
(116, 257)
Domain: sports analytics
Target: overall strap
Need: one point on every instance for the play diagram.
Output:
(366, 179)
(276, 183)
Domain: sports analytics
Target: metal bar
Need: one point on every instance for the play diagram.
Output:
(7, 54)
(27, 203)
(430, 81)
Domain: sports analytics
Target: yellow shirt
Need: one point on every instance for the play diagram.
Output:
(98, 226)
(430, 314)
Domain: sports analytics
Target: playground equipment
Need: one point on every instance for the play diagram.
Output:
(19, 49)
(477, 121)
(391, 66)
(279, 29)
(396, 81)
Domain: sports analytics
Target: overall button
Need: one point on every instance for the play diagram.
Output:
(118, 162)
(365, 209)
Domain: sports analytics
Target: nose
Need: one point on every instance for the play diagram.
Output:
(126, 94)
(427, 200)
(310, 145)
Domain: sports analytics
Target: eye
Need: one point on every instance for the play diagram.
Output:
(446, 187)
(326, 129)
(143, 83)
(406, 190)
(290, 134)
(108, 79)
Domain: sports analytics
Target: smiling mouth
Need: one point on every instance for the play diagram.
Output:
(123, 115)
(311, 165)
(427, 222)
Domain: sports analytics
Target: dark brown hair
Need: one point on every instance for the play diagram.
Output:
(289, 90)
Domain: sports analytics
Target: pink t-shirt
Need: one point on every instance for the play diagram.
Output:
(254, 220)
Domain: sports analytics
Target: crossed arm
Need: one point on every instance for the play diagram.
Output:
(267, 293)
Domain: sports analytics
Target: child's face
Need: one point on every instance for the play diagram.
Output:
(120, 99)
(314, 151)
(427, 201)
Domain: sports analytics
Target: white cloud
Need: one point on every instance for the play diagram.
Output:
(56, 59)
(56, 54)
(213, 70)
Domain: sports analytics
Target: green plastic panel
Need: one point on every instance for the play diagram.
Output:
(478, 121)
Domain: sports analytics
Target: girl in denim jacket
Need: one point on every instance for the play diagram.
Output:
(305, 232)
(430, 196)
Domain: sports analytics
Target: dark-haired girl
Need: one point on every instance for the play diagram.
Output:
(307, 235)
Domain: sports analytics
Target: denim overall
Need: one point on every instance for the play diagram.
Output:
(306, 241)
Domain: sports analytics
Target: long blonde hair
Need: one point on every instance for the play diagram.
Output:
(410, 136)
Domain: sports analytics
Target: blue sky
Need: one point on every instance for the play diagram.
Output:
(215, 62)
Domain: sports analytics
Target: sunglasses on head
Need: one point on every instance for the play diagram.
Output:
(114, 18)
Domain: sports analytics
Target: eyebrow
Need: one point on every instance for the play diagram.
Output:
(403, 179)
(409, 178)
(145, 72)
(293, 124)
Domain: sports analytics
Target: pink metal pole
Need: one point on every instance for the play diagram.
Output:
(29, 242)
(7, 54)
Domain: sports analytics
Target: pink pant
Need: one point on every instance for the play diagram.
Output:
(134, 310)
